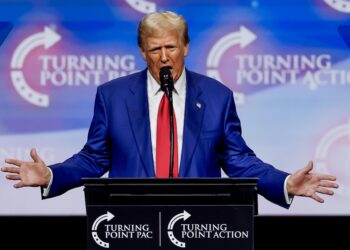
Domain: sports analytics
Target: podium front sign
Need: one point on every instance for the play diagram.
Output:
(150, 227)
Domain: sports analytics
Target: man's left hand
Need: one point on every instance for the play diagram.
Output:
(305, 183)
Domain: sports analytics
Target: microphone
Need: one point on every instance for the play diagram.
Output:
(167, 85)
(166, 80)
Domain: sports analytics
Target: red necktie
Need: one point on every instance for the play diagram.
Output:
(163, 141)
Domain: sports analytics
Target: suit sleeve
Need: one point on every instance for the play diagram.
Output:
(238, 160)
(92, 161)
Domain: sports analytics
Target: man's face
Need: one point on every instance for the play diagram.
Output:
(162, 50)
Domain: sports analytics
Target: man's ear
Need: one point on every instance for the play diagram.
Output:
(186, 48)
(143, 53)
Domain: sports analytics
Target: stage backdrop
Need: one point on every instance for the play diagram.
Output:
(287, 62)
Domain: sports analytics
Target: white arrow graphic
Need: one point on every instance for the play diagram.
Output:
(323, 149)
(142, 6)
(339, 5)
(184, 215)
(47, 38)
(331, 137)
(108, 216)
(243, 38)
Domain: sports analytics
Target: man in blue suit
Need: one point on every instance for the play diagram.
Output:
(122, 136)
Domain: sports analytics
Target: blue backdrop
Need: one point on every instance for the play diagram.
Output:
(287, 62)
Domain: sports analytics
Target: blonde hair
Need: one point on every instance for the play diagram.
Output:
(156, 23)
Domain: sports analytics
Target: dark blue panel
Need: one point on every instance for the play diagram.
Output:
(5, 28)
(344, 31)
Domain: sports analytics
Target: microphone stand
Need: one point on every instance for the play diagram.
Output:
(169, 94)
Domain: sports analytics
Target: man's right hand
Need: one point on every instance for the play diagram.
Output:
(29, 174)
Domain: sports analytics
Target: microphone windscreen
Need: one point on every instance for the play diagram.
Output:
(166, 78)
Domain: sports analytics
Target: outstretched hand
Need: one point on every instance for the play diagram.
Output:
(29, 174)
(305, 183)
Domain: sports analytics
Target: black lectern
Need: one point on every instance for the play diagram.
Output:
(186, 213)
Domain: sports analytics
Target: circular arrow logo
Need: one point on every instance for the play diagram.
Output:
(108, 216)
(182, 216)
(330, 141)
(46, 38)
(339, 5)
(142, 6)
(243, 38)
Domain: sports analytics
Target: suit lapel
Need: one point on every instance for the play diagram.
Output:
(137, 105)
(193, 119)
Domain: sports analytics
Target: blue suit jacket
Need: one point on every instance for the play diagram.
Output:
(119, 139)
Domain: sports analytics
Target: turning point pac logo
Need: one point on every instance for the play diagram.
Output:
(108, 216)
(128, 231)
(70, 66)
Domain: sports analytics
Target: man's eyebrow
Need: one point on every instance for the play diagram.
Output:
(154, 48)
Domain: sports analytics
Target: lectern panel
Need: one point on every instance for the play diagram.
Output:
(152, 214)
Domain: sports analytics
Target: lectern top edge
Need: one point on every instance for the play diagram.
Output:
(160, 181)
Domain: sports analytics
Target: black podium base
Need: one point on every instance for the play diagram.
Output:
(298, 232)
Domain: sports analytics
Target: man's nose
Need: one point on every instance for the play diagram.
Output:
(164, 55)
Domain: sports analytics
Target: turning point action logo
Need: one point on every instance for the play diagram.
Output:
(201, 231)
(184, 216)
(264, 70)
(243, 38)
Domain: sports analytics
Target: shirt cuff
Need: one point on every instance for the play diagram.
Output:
(46, 191)
(287, 197)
